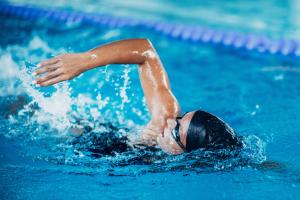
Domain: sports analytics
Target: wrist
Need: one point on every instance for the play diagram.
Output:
(89, 60)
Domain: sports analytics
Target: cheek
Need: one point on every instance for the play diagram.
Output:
(163, 143)
(166, 143)
(166, 137)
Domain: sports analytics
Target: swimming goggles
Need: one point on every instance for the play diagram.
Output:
(176, 135)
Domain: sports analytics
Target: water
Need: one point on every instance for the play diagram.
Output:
(275, 18)
(39, 158)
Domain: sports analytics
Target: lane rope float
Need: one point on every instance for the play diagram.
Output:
(236, 40)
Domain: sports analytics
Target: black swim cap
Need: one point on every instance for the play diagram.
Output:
(208, 131)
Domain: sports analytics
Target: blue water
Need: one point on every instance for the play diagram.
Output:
(275, 18)
(257, 94)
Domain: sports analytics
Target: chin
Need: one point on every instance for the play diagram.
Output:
(173, 151)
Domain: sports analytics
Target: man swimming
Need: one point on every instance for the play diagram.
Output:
(174, 134)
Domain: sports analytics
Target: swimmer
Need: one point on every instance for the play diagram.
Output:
(173, 133)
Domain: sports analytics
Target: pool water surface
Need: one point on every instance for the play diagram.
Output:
(258, 95)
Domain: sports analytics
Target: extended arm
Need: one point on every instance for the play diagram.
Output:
(67, 66)
(160, 100)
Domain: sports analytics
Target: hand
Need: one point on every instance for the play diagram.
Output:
(61, 68)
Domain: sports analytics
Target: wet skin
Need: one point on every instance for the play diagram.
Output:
(162, 104)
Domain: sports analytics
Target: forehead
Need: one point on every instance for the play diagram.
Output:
(185, 121)
(188, 115)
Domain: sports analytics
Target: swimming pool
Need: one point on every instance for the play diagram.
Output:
(258, 94)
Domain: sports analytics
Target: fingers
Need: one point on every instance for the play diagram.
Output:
(47, 68)
(49, 76)
(53, 81)
(52, 68)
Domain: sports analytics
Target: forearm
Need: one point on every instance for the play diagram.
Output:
(67, 66)
(131, 51)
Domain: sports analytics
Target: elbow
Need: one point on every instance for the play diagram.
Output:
(146, 42)
(143, 50)
(148, 50)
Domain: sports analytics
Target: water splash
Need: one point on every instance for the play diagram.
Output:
(254, 149)
(8, 74)
(125, 86)
(53, 107)
(51, 112)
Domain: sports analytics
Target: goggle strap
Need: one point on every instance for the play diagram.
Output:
(175, 134)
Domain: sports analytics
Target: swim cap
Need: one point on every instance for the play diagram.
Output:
(208, 131)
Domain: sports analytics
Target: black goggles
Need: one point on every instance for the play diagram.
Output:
(176, 135)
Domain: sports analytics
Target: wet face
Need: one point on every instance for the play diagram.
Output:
(167, 142)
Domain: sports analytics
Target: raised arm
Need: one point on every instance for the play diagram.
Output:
(154, 80)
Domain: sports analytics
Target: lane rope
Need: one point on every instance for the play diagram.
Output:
(236, 40)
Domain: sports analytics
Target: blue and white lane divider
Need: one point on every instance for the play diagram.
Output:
(260, 44)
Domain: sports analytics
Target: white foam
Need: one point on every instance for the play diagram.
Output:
(17, 79)
(125, 86)
(9, 68)
(54, 109)
(254, 149)
(58, 109)
(38, 43)
(8, 75)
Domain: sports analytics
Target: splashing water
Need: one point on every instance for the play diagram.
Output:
(51, 113)
(39, 149)
(53, 109)
(123, 89)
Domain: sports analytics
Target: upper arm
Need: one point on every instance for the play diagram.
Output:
(161, 101)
